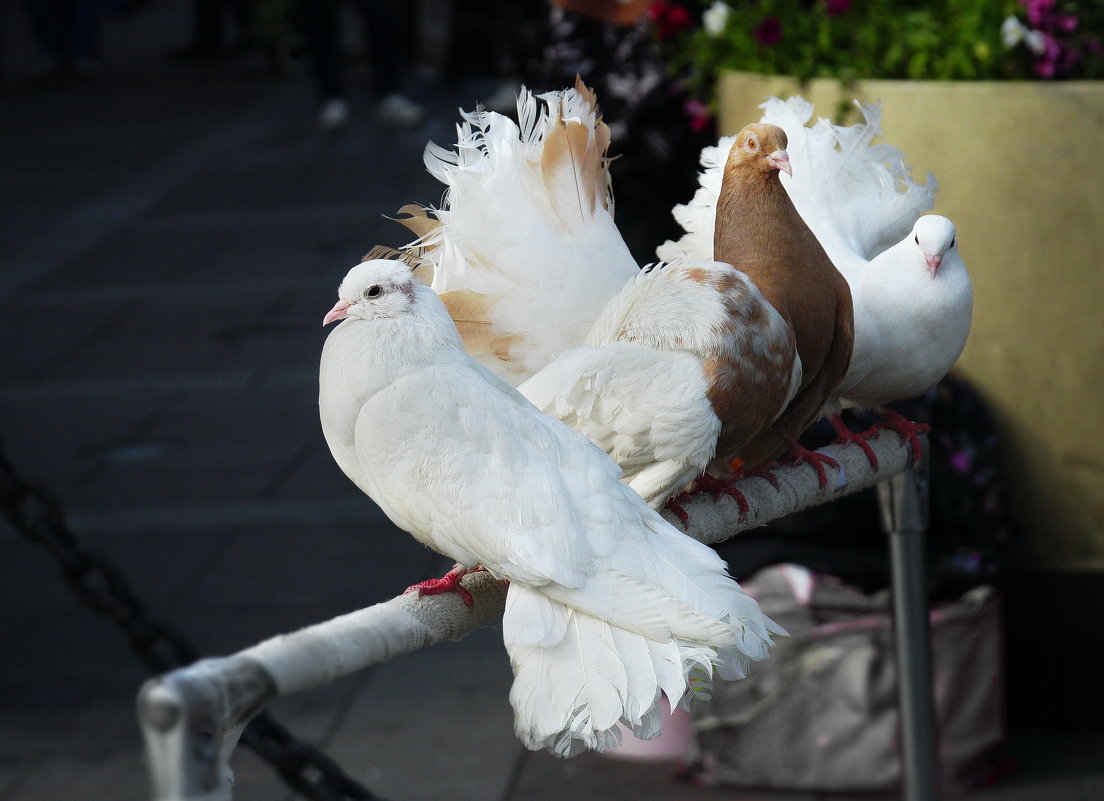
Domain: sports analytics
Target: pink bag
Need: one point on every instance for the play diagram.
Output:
(821, 712)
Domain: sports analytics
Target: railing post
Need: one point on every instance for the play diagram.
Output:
(191, 720)
(903, 502)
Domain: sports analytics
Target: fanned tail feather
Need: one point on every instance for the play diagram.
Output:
(569, 697)
(852, 193)
(699, 216)
(577, 674)
(527, 225)
(858, 197)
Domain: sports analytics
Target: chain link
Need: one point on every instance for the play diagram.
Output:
(302, 766)
(105, 589)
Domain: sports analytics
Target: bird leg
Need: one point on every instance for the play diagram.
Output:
(761, 472)
(675, 505)
(719, 487)
(906, 430)
(450, 582)
(740, 470)
(845, 436)
(815, 459)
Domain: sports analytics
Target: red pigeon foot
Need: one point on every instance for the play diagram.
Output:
(816, 460)
(718, 488)
(845, 436)
(675, 505)
(761, 472)
(450, 582)
(906, 430)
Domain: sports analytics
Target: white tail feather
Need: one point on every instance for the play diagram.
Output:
(528, 219)
(850, 191)
(657, 623)
(570, 696)
(858, 197)
(699, 217)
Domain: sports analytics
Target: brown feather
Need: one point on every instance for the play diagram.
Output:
(575, 155)
(746, 364)
(759, 231)
(422, 268)
(746, 385)
(470, 311)
(417, 220)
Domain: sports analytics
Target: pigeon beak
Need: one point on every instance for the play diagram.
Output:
(933, 262)
(339, 311)
(780, 160)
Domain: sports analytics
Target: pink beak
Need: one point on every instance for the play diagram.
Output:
(780, 160)
(339, 311)
(933, 262)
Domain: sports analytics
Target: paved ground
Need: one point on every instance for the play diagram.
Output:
(170, 238)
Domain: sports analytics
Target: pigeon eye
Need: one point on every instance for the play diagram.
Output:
(373, 291)
(752, 145)
(916, 239)
(952, 243)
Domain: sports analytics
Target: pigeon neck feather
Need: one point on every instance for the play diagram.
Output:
(364, 356)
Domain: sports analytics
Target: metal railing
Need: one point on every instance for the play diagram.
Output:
(191, 718)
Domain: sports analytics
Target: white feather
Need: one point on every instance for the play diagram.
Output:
(608, 604)
(582, 330)
(856, 196)
(850, 191)
(529, 230)
(861, 201)
(910, 325)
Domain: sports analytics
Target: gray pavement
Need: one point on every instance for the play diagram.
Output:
(170, 239)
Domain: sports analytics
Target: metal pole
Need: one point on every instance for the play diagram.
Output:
(191, 720)
(903, 501)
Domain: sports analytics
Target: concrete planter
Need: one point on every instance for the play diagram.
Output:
(1022, 176)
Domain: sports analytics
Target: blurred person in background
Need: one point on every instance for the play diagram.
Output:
(208, 22)
(68, 30)
(657, 134)
(320, 22)
(509, 34)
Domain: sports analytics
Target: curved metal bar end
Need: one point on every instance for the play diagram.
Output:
(191, 719)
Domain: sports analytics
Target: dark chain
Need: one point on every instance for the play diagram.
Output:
(302, 766)
(105, 589)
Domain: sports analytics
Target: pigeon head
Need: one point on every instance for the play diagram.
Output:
(935, 237)
(373, 289)
(761, 147)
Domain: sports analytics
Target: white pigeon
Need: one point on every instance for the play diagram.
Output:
(670, 370)
(910, 290)
(913, 307)
(608, 604)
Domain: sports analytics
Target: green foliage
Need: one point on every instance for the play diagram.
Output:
(855, 39)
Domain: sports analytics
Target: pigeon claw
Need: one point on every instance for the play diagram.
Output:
(845, 436)
(675, 505)
(905, 429)
(719, 488)
(815, 459)
(450, 582)
(760, 472)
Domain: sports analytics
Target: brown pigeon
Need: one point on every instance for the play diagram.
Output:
(759, 232)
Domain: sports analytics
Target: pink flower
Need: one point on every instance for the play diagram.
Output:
(1044, 68)
(670, 19)
(1038, 10)
(698, 113)
(769, 31)
(836, 7)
